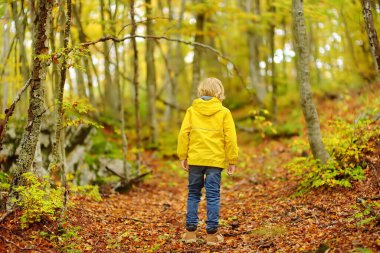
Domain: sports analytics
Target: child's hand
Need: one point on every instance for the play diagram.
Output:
(231, 169)
(184, 165)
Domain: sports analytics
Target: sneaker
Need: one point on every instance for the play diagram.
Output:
(214, 239)
(189, 237)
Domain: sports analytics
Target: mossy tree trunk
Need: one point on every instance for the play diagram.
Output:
(371, 32)
(303, 74)
(36, 103)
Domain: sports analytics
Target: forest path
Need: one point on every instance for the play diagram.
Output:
(257, 213)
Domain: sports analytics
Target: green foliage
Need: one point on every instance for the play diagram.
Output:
(90, 191)
(347, 145)
(4, 181)
(69, 241)
(261, 122)
(361, 250)
(365, 217)
(103, 145)
(76, 110)
(168, 144)
(38, 200)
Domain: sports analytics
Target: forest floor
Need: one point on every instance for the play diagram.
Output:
(258, 213)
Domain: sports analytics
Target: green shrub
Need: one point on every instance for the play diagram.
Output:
(38, 200)
(347, 145)
(90, 191)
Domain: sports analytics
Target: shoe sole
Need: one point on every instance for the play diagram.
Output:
(190, 241)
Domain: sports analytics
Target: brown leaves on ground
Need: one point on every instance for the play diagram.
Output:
(257, 215)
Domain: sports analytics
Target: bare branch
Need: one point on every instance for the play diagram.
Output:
(191, 43)
(9, 112)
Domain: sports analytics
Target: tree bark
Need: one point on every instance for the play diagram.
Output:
(151, 76)
(20, 25)
(4, 77)
(36, 103)
(197, 60)
(272, 63)
(253, 46)
(110, 89)
(174, 61)
(303, 73)
(349, 38)
(86, 59)
(371, 32)
(136, 85)
(58, 161)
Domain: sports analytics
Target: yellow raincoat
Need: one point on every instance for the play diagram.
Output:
(207, 136)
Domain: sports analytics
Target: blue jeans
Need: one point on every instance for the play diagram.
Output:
(211, 182)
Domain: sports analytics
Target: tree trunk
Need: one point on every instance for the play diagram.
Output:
(253, 46)
(85, 59)
(303, 70)
(371, 32)
(174, 66)
(122, 130)
(349, 38)
(4, 82)
(57, 164)
(197, 60)
(36, 105)
(151, 75)
(20, 25)
(136, 85)
(110, 89)
(272, 63)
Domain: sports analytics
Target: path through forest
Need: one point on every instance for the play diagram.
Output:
(257, 214)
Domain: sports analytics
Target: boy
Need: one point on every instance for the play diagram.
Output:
(207, 144)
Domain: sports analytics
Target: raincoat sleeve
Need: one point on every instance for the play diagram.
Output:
(183, 137)
(230, 139)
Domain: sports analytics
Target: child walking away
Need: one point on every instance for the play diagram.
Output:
(206, 145)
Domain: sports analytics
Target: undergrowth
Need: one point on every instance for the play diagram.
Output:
(347, 144)
(39, 200)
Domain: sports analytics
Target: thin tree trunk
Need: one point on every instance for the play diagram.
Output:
(284, 73)
(57, 165)
(197, 60)
(253, 45)
(136, 86)
(174, 63)
(36, 105)
(110, 89)
(151, 75)
(314, 50)
(122, 129)
(272, 63)
(4, 77)
(349, 38)
(303, 60)
(371, 32)
(86, 63)
(20, 25)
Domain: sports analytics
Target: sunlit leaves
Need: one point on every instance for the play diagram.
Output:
(76, 112)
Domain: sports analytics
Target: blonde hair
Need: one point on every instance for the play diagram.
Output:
(212, 87)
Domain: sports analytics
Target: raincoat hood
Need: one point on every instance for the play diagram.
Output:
(207, 107)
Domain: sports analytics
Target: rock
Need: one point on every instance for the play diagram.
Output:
(114, 164)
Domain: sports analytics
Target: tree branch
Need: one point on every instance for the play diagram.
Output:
(9, 112)
(191, 43)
